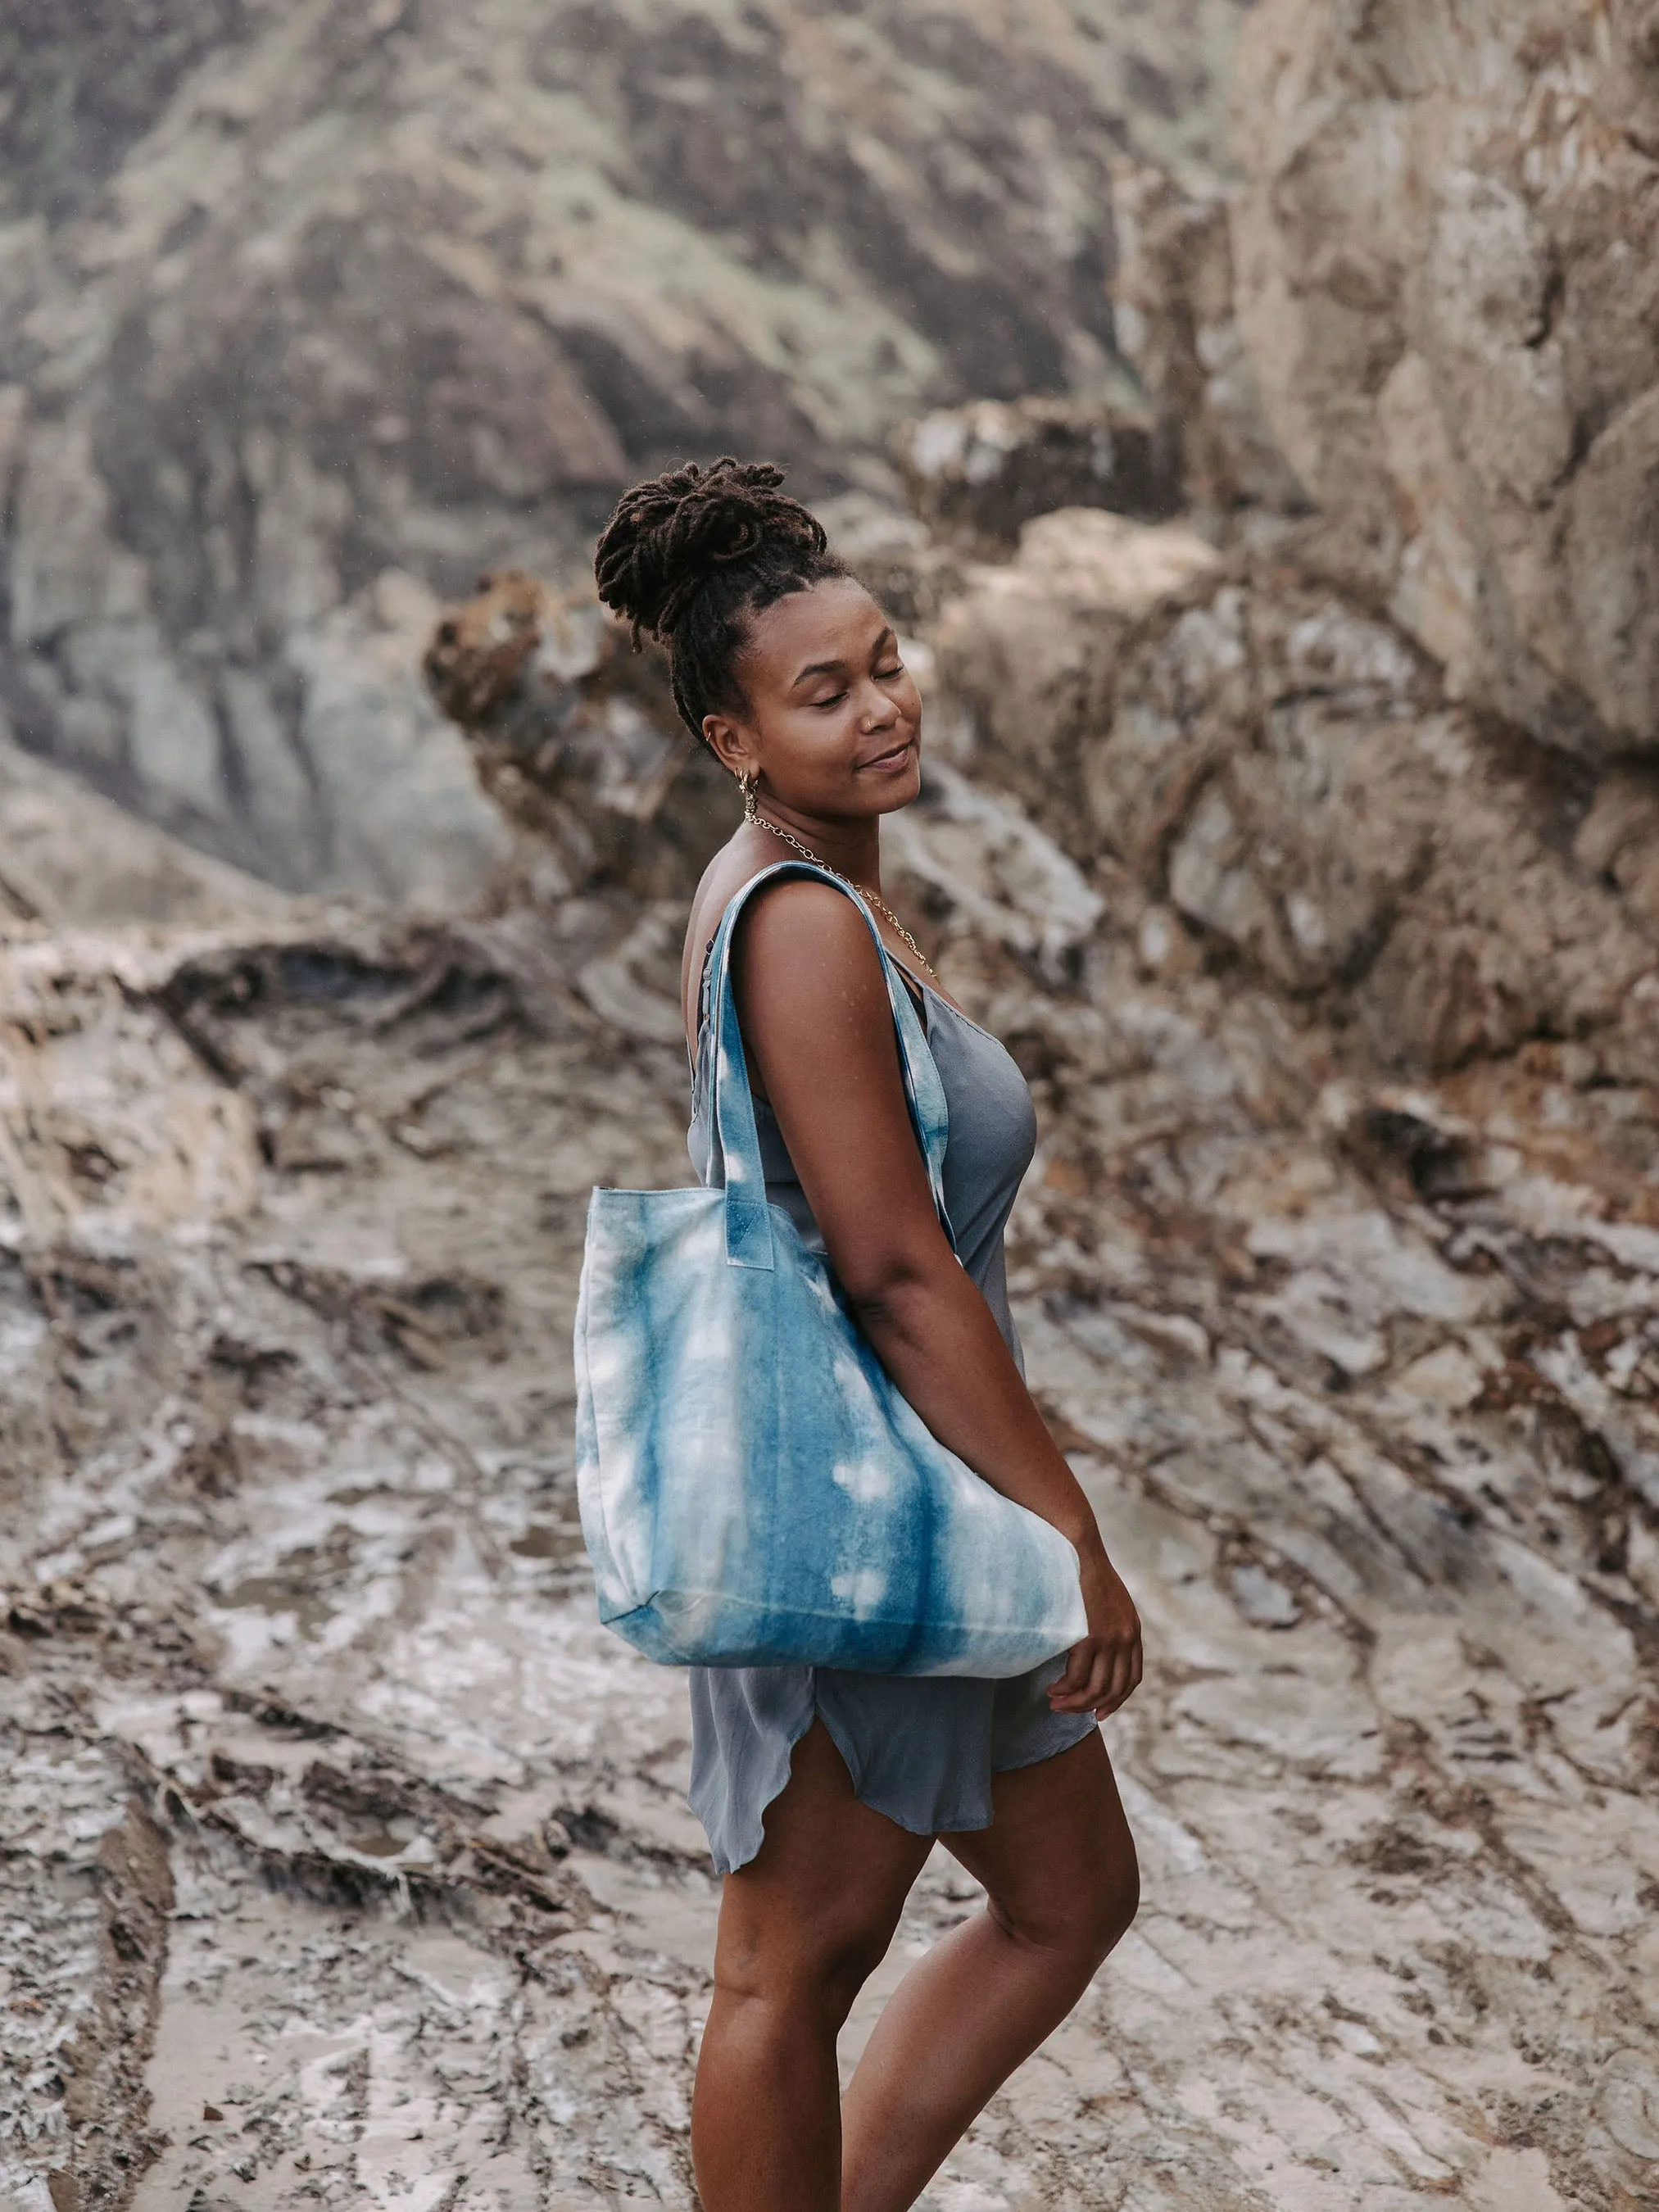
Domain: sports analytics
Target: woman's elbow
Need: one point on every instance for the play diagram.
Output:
(888, 1287)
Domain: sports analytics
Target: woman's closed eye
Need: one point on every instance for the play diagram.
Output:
(837, 698)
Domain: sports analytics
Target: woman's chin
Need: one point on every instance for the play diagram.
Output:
(903, 786)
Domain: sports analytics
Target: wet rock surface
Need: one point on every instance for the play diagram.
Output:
(348, 1861)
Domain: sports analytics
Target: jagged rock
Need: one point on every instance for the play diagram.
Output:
(1362, 1374)
(1286, 768)
(1172, 292)
(980, 868)
(1619, 838)
(1361, 1367)
(912, 573)
(575, 736)
(1286, 771)
(303, 315)
(1027, 656)
(977, 474)
(1444, 257)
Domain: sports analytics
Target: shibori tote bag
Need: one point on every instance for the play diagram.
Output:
(754, 1490)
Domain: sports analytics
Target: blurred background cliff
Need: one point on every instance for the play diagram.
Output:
(308, 313)
(1250, 414)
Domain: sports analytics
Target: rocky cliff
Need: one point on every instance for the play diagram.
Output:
(1447, 273)
(307, 311)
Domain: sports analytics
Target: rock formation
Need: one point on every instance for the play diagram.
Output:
(347, 1860)
(975, 474)
(1446, 272)
(307, 314)
(1285, 769)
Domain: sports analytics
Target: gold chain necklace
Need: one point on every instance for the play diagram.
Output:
(806, 852)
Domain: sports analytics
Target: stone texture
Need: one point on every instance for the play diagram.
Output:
(305, 311)
(1177, 326)
(1027, 655)
(975, 475)
(347, 1860)
(576, 737)
(1444, 265)
(71, 859)
(1362, 1374)
(1287, 770)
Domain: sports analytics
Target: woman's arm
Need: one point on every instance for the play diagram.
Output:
(819, 1033)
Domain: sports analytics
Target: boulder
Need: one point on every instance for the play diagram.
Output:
(1447, 279)
(1282, 769)
(1027, 653)
(976, 475)
(574, 735)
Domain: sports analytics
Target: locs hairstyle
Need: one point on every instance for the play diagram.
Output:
(692, 556)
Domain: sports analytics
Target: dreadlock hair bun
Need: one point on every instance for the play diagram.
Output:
(690, 556)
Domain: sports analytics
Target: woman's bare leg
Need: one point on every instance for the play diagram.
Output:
(802, 1927)
(1059, 1866)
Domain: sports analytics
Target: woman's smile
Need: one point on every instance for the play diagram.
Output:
(889, 763)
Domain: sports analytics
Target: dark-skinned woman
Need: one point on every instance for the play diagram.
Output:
(823, 1790)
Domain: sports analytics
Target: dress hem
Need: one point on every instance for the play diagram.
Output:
(946, 1827)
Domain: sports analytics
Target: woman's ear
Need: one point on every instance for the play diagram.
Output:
(727, 743)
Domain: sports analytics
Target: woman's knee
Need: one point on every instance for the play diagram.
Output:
(819, 1964)
(1083, 1920)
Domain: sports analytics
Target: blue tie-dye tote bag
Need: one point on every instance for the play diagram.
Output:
(754, 1490)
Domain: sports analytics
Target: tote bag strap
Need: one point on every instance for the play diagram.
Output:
(748, 1222)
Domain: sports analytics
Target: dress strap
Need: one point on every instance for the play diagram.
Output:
(732, 1119)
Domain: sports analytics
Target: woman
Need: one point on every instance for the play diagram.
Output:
(823, 1792)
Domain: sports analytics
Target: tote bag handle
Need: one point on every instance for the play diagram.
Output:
(748, 1220)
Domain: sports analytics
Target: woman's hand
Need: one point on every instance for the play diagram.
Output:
(1104, 1669)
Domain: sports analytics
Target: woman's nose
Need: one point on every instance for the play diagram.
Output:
(879, 708)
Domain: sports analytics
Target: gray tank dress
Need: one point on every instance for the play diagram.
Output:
(921, 1749)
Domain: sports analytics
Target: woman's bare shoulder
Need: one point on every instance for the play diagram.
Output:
(738, 862)
(801, 924)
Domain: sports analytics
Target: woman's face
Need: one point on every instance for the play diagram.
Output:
(833, 718)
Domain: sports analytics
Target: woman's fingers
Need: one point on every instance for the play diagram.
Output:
(1125, 1679)
(1101, 1674)
(1078, 1662)
(1069, 1692)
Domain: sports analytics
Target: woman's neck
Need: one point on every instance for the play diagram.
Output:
(851, 848)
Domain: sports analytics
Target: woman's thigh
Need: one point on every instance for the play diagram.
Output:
(816, 1908)
(1058, 1861)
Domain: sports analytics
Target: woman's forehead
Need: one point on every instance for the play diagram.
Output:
(836, 620)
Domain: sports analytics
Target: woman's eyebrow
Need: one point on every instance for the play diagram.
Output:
(839, 667)
(819, 668)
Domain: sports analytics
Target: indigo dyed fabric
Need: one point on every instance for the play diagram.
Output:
(754, 1490)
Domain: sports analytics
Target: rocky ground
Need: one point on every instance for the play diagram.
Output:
(348, 1858)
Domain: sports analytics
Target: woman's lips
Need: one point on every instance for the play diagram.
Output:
(884, 763)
